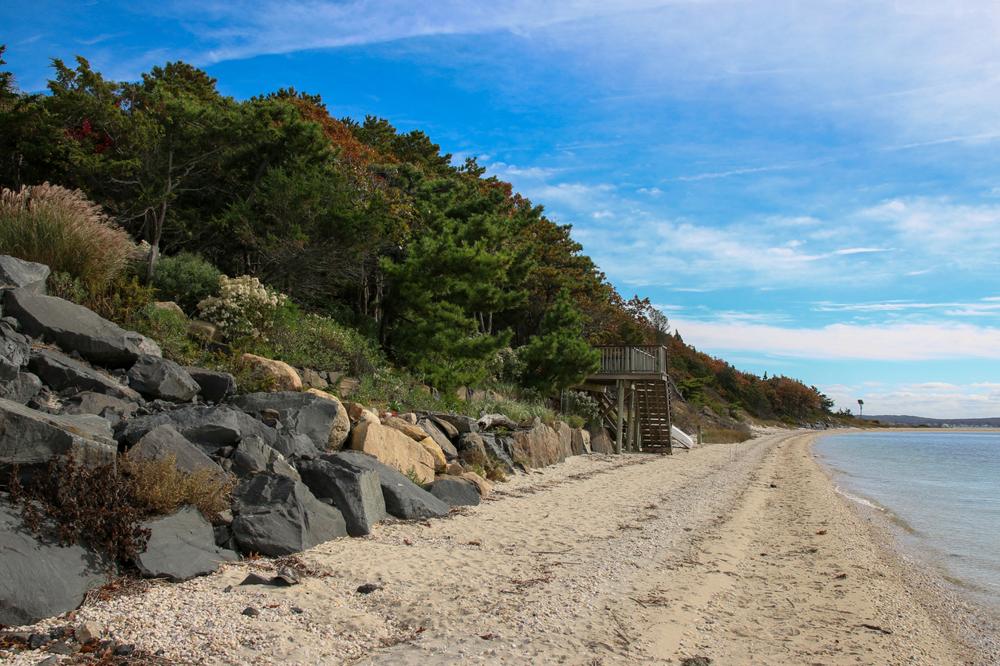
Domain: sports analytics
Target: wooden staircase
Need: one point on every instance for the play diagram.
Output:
(652, 402)
(653, 407)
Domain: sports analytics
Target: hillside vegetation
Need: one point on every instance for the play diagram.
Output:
(352, 246)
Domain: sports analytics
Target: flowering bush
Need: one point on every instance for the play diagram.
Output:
(244, 308)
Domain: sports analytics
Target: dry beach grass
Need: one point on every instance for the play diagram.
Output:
(742, 553)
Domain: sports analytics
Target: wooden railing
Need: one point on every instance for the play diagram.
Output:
(649, 360)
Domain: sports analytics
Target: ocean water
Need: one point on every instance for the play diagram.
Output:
(942, 491)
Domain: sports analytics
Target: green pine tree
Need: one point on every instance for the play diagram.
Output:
(559, 356)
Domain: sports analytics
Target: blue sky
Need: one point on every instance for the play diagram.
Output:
(803, 189)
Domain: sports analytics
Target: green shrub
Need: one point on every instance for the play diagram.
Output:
(65, 231)
(66, 286)
(170, 330)
(187, 279)
(244, 310)
(313, 341)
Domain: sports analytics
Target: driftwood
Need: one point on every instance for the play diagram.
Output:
(489, 421)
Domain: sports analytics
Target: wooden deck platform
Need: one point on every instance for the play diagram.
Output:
(634, 391)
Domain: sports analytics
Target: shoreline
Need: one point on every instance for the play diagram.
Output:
(970, 621)
(742, 553)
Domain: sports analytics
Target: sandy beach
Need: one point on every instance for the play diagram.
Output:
(744, 554)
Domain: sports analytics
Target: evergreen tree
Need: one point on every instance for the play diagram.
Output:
(559, 356)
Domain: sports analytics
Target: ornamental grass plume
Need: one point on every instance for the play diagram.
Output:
(64, 230)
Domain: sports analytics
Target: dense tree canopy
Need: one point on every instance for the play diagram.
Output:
(357, 220)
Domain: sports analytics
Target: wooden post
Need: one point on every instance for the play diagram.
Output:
(621, 414)
(670, 421)
(633, 422)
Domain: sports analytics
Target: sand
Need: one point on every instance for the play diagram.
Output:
(741, 553)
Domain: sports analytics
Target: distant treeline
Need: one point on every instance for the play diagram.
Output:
(444, 266)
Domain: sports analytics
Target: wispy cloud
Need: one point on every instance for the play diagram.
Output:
(883, 342)
(932, 399)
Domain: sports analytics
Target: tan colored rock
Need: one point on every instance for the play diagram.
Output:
(581, 442)
(440, 462)
(601, 440)
(357, 412)
(346, 386)
(538, 447)
(169, 306)
(415, 432)
(202, 330)
(565, 433)
(280, 375)
(87, 632)
(455, 469)
(485, 487)
(394, 449)
(341, 425)
(409, 417)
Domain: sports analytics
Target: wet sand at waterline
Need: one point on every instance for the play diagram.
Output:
(741, 553)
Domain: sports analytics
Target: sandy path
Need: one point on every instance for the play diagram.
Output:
(595, 561)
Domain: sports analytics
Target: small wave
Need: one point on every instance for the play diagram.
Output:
(860, 500)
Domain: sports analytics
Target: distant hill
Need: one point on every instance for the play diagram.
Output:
(993, 422)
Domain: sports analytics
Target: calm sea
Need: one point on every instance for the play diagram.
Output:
(942, 489)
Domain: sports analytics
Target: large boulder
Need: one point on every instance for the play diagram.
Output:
(253, 456)
(403, 498)
(277, 374)
(181, 546)
(164, 441)
(276, 515)
(39, 577)
(356, 492)
(538, 447)
(565, 433)
(581, 442)
(394, 449)
(601, 440)
(73, 326)
(64, 373)
(456, 491)
(461, 424)
(500, 449)
(31, 439)
(17, 274)
(22, 388)
(156, 377)
(472, 449)
(411, 430)
(341, 425)
(213, 385)
(433, 431)
(210, 428)
(440, 461)
(109, 407)
(14, 352)
(308, 419)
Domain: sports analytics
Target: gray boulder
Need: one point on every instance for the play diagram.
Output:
(164, 441)
(356, 492)
(461, 424)
(14, 352)
(64, 373)
(181, 546)
(213, 385)
(22, 388)
(501, 449)
(403, 498)
(30, 439)
(73, 326)
(39, 578)
(455, 491)
(17, 273)
(156, 377)
(210, 428)
(276, 515)
(253, 456)
(304, 420)
(109, 407)
(439, 437)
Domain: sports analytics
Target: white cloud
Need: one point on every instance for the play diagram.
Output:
(882, 342)
(941, 400)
